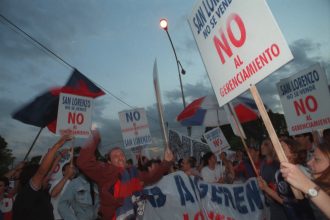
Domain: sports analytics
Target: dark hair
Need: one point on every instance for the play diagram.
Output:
(64, 166)
(323, 180)
(308, 134)
(129, 161)
(206, 158)
(27, 173)
(113, 149)
(4, 180)
(297, 149)
(326, 132)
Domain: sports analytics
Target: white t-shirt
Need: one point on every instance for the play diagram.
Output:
(212, 176)
(55, 200)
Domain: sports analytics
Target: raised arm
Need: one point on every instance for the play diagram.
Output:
(96, 170)
(148, 178)
(47, 161)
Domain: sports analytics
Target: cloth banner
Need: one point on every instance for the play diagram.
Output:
(178, 196)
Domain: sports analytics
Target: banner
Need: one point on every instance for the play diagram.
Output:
(216, 140)
(234, 42)
(74, 113)
(305, 100)
(184, 146)
(178, 196)
(134, 127)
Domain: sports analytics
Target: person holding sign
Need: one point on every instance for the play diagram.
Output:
(211, 172)
(116, 182)
(318, 191)
(33, 199)
(296, 154)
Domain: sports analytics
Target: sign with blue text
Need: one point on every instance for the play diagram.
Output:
(234, 40)
(305, 100)
(134, 127)
(75, 114)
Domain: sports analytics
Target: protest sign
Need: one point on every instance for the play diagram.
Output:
(184, 146)
(234, 42)
(305, 100)
(216, 140)
(178, 196)
(75, 114)
(134, 127)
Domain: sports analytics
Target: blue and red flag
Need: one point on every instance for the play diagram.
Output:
(206, 111)
(42, 111)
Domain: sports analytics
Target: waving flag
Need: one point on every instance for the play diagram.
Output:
(206, 111)
(42, 111)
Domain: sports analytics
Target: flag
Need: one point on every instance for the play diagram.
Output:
(42, 111)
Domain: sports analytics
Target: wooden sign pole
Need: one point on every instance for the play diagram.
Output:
(232, 112)
(272, 134)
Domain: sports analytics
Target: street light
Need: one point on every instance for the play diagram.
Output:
(164, 25)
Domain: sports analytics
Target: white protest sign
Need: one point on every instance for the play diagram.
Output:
(134, 127)
(177, 196)
(240, 44)
(306, 100)
(183, 146)
(216, 140)
(74, 113)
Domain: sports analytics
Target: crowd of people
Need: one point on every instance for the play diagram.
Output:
(90, 189)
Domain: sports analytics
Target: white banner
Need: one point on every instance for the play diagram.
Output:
(306, 100)
(74, 113)
(134, 127)
(216, 140)
(240, 44)
(178, 196)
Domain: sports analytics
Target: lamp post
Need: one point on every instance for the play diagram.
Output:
(164, 25)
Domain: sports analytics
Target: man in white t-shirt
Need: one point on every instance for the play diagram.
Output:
(211, 172)
(58, 187)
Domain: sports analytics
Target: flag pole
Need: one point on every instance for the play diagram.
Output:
(159, 105)
(32, 145)
(239, 128)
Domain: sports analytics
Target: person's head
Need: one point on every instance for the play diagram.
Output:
(320, 161)
(326, 135)
(4, 182)
(238, 155)
(209, 159)
(294, 151)
(254, 153)
(223, 156)
(152, 164)
(305, 139)
(188, 163)
(117, 157)
(66, 169)
(27, 173)
(129, 162)
(320, 166)
(267, 148)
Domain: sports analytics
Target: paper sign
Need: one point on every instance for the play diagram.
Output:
(74, 113)
(134, 127)
(240, 44)
(305, 100)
